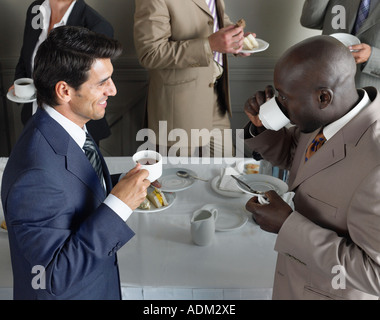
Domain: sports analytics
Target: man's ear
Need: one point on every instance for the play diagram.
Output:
(63, 92)
(326, 96)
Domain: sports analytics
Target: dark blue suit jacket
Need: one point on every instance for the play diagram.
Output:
(53, 208)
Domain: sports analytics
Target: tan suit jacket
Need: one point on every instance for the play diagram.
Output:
(171, 40)
(329, 247)
(320, 14)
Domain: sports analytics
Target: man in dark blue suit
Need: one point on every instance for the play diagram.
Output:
(65, 224)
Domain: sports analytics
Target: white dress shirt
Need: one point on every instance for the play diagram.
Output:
(330, 130)
(79, 136)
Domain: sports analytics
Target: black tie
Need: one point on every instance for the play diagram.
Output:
(93, 156)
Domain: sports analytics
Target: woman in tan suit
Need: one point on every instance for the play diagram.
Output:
(188, 84)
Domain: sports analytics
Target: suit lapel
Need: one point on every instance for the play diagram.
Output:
(78, 164)
(76, 14)
(202, 4)
(31, 38)
(76, 161)
(352, 8)
(330, 153)
(334, 150)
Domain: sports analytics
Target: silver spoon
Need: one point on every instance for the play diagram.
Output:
(260, 194)
(247, 186)
(184, 174)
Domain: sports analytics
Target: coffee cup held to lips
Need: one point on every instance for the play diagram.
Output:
(150, 161)
(271, 115)
(24, 88)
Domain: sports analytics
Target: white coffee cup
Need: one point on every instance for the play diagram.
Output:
(151, 161)
(24, 88)
(203, 226)
(271, 115)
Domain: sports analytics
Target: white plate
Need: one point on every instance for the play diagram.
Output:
(225, 193)
(263, 45)
(346, 38)
(12, 97)
(170, 197)
(230, 217)
(240, 165)
(170, 182)
(263, 182)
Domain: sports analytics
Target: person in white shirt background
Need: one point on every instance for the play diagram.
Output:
(43, 16)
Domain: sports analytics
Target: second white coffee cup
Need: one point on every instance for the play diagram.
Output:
(24, 88)
(151, 161)
(271, 115)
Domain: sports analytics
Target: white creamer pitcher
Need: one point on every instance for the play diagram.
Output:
(203, 226)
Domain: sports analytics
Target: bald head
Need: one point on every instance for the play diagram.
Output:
(320, 59)
(319, 73)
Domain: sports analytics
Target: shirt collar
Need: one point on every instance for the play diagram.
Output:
(63, 22)
(76, 132)
(67, 14)
(330, 130)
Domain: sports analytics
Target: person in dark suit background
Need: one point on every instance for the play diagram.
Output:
(323, 14)
(61, 217)
(44, 15)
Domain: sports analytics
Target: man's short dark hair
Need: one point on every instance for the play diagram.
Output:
(67, 55)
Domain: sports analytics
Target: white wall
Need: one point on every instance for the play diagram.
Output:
(276, 21)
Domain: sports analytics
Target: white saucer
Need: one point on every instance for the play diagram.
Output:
(346, 38)
(12, 97)
(263, 182)
(170, 182)
(231, 194)
(263, 45)
(230, 217)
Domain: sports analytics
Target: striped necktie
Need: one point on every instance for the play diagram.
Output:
(362, 15)
(93, 156)
(317, 142)
(218, 57)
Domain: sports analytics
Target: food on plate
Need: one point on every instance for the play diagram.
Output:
(251, 168)
(240, 23)
(158, 198)
(145, 205)
(3, 225)
(250, 43)
(155, 198)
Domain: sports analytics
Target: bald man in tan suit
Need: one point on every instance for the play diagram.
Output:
(329, 245)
